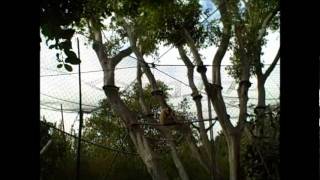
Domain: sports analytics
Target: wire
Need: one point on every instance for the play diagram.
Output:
(173, 124)
(234, 97)
(66, 100)
(86, 83)
(56, 109)
(94, 71)
(172, 77)
(89, 142)
(216, 10)
(225, 65)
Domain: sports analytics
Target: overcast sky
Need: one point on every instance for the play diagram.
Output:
(65, 87)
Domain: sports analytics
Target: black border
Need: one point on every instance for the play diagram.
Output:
(299, 153)
(21, 74)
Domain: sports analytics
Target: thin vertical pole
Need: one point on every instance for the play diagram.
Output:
(62, 121)
(62, 124)
(210, 117)
(81, 118)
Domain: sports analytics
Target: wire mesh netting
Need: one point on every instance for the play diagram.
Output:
(60, 88)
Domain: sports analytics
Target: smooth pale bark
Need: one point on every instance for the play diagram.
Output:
(150, 158)
(215, 94)
(234, 156)
(209, 150)
(262, 109)
(164, 130)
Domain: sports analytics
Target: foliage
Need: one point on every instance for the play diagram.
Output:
(131, 96)
(261, 156)
(58, 161)
(221, 148)
(104, 127)
(45, 135)
(248, 24)
(57, 21)
(252, 166)
(153, 23)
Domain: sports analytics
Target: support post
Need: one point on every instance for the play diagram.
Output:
(81, 118)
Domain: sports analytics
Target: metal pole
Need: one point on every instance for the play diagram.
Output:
(62, 123)
(210, 117)
(81, 118)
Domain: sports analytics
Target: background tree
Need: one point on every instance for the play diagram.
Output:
(59, 159)
(144, 25)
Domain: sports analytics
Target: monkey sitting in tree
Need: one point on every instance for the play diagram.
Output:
(167, 116)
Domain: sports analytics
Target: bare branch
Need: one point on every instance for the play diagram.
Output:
(207, 129)
(266, 22)
(192, 46)
(272, 66)
(190, 67)
(122, 54)
(196, 127)
(216, 75)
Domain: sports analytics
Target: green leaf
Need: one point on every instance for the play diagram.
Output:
(70, 53)
(59, 66)
(72, 58)
(66, 45)
(68, 67)
(67, 34)
(52, 46)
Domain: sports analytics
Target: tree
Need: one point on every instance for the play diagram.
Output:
(246, 20)
(259, 155)
(57, 22)
(105, 127)
(143, 25)
(58, 161)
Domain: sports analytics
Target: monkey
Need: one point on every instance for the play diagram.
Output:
(167, 116)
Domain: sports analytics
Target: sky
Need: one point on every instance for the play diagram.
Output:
(64, 89)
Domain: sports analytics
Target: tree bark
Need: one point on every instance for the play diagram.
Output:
(215, 94)
(182, 172)
(233, 142)
(150, 159)
(209, 151)
(261, 109)
(261, 92)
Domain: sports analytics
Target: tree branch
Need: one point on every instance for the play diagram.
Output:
(190, 71)
(272, 66)
(266, 22)
(207, 129)
(219, 55)
(192, 46)
(196, 127)
(122, 54)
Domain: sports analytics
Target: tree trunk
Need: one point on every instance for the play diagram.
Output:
(150, 159)
(234, 156)
(196, 154)
(261, 92)
(209, 149)
(146, 110)
(182, 172)
(260, 111)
